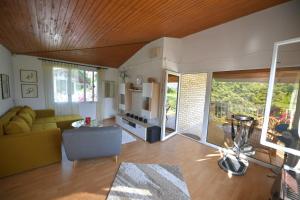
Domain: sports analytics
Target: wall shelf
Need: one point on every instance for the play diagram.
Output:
(149, 99)
(135, 90)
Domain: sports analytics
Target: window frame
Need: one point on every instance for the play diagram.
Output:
(69, 85)
(93, 86)
(263, 139)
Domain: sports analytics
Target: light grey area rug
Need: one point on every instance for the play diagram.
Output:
(148, 181)
(126, 137)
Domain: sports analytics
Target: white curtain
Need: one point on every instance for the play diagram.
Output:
(61, 108)
(101, 88)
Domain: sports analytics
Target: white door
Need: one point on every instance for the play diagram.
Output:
(170, 108)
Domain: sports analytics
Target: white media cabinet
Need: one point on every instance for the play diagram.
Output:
(136, 127)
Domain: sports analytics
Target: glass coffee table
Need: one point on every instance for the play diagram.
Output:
(81, 123)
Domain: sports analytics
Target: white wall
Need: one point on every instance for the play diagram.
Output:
(28, 63)
(172, 53)
(6, 68)
(145, 64)
(142, 63)
(244, 43)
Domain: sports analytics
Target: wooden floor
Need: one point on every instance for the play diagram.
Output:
(91, 179)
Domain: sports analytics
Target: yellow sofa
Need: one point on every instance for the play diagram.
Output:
(30, 139)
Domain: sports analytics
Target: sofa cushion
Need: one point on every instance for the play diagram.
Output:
(67, 118)
(17, 125)
(65, 121)
(27, 117)
(30, 111)
(5, 119)
(45, 120)
(43, 127)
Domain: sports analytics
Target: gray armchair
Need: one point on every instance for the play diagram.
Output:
(92, 142)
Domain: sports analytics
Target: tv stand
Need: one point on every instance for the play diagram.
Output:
(136, 127)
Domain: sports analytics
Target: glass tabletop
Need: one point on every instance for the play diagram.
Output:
(81, 123)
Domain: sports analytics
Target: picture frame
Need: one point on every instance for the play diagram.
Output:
(28, 76)
(5, 87)
(29, 90)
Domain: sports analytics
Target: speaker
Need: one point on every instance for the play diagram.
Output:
(153, 134)
(155, 52)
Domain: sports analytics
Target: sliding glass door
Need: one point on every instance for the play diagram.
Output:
(244, 92)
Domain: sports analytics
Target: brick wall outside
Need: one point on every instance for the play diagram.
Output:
(191, 104)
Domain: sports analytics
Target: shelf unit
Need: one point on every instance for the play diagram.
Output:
(150, 99)
(124, 97)
(134, 90)
(150, 95)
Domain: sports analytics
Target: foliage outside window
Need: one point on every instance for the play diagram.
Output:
(74, 85)
(248, 97)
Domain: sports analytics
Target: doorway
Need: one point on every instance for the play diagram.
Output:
(170, 109)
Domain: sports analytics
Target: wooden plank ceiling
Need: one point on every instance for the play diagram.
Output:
(108, 32)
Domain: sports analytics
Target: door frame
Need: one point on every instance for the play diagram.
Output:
(167, 72)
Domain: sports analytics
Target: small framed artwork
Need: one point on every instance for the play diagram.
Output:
(5, 88)
(29, 90)
(28, 76)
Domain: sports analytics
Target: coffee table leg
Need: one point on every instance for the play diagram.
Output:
(116, 158)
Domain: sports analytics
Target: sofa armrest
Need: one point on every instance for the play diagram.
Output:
(45, 113)
(21, 152)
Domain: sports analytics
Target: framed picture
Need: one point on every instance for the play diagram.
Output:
(5, 88)
(28, 76)
(29, 90)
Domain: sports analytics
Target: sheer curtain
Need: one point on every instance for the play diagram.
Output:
(100, 103)
(59, 92)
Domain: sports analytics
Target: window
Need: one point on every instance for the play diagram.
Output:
(60, 77)
(245, 92)
(89, 87)
(75, 85)
(95, 86)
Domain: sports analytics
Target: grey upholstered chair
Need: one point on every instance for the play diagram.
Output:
(92, 142)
